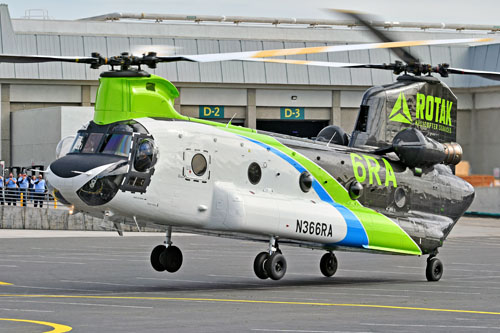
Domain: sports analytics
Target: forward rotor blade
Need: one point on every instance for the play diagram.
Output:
(313, 50)
(315, 63)
(28, 59)
(484, 74)
(406, 56)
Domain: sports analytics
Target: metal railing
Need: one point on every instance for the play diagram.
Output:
(29, 198)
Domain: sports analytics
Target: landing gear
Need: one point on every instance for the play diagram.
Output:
(328, 264)
(166, 257)
(271, 264)
(434, 270)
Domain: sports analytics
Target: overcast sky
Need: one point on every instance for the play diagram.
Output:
(446, 11)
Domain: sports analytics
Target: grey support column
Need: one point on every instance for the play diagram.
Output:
(251, 118)
(86, 100)
(335, 116)
(5, 153)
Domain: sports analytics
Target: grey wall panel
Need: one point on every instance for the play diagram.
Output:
(45, 93)
(26, 44)
(187, 72)
(95, 44)
(318, 75)
(491, 61)
(213, 96)
(73, 46)
(117, 45)
(283, 98)
(360, 77)
(440, 55)
(297, 74)
(275, 73)
(478, 61)
(166, 70)
(211, 71)
(49, 45)
(232, 71)
(380, 56)
(339, 76)
(460, 58)
(254, 72)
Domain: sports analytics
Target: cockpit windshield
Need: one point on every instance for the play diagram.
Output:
(102, 143)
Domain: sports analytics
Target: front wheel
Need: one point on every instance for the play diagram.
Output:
(258, 265)
(171, 259)
(276, 266)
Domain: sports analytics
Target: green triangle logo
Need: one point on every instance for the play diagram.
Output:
(400, 112)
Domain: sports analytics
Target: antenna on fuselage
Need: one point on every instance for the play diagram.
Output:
(230, 120)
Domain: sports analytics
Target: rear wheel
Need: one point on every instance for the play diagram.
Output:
(171, 259)
(434, 270)
(328, 264)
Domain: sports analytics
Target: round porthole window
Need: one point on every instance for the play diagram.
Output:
(254, 173)
(199, 165)
(305, 181)
(400, 197)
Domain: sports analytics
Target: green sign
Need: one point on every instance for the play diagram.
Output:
(292, 113)
(211, 111)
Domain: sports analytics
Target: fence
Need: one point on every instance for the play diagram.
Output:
(29, 198)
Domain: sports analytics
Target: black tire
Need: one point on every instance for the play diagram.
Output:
(155, 258)
(258, 265)
(434, 270)
(276, 266)
(328, 264)
(171, 259)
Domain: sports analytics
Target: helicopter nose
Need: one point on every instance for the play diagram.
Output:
(73, 165)
(89, 180)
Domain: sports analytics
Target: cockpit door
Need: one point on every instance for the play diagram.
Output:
(142, 158)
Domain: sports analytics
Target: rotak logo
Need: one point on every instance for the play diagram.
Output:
(431, 112)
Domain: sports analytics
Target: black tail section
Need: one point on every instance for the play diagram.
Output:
(424, 103)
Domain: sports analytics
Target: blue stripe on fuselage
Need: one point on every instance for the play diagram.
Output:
(356, 234)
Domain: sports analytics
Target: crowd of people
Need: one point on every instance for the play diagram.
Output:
(24, 188)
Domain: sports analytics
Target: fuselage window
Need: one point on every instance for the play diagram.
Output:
(199, 164)
(117, 144)
(254, 173)
(92, 143)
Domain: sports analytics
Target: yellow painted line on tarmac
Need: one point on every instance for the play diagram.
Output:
(57, 328)
(225, 300)
(5, 284)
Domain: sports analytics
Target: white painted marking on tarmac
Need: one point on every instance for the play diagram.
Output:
(197, 281)
(405, 325)
(302, 331)
(45, 262)
(51, 288)
(103, 283)
(90, 304)
(229, 276)
(24, 310)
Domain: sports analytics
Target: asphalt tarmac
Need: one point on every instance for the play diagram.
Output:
(104, 283)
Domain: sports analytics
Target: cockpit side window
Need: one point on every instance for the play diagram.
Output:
(79, 142)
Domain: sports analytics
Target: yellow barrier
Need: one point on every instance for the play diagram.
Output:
(22, 197)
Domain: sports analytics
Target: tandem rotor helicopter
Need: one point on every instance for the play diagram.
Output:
(389, 188)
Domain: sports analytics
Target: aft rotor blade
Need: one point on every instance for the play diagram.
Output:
(29, 59)
(404, 55)
(318, 63)
(313, 50)
(484, 74)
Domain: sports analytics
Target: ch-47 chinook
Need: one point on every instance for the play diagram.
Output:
(389, 188)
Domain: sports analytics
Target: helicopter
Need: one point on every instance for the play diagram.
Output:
(388, 188)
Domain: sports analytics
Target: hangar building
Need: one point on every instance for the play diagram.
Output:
(256, 95)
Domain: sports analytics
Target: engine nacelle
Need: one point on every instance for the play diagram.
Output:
(416, 150)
